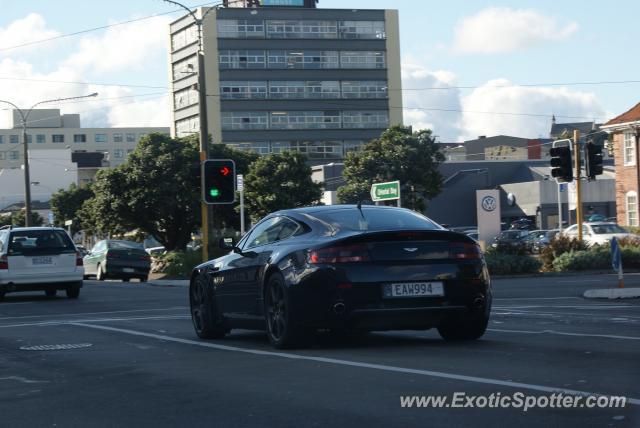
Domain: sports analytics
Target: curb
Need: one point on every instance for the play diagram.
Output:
(561, 274)
(612, 293)
(169, 282)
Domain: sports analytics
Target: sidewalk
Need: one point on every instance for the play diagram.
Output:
(160, 280)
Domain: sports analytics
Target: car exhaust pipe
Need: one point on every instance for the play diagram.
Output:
(339, 308)
(478, 302)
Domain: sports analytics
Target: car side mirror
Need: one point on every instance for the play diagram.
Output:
(227, 244)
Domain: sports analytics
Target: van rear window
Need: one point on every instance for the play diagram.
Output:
(28, 242)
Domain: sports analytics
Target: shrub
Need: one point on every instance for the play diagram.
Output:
(559, 245)
(508, 264)
(595, 258)
(181, 263)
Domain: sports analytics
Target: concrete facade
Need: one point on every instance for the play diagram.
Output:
(319, 81)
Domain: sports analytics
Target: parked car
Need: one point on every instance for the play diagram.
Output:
(596, 217)
(598, 232)
(343, 267)
(509, 239)
(39, 258)
(118, 259)
(82, 250)
(529, 240)
(543, 240)
(522, 224)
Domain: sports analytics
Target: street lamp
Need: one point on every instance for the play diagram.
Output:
(202, 104)
(24, 117)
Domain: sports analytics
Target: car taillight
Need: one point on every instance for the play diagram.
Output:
(4, 262)
(462, 250)
(79, 261)
(340, 254)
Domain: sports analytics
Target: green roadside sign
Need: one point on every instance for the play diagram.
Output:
(385, 191)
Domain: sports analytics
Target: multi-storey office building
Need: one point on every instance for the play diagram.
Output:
(320, 81)
(49, 130)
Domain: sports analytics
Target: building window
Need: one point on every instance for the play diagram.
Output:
(29, 138)
(279, 146)
(117, 138)
(243, 90)
(629, 149)
(13, 139)
(304, 89)
(185, 98)
(365, 119)
(632, 208)
(362, 59)
(364, 89)
(14, 155)
(353, 146)
(362, 30)
(303, 29)
(1, 155)
(240, 28)
(131, 137)
(318, 149)
(184, 37)
(329, 119)
(118, 153)
(142, 135)
(40, 139)
(259, 147)
(187, 126)
(57, 138)
(185, 68)
(101, 138)
(1, 139)
(244, 120)
(79, 138)
(303, 59)
(237, 59)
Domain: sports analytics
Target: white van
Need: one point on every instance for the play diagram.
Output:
(39, 258)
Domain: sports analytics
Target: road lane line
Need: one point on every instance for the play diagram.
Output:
(562, 333)
(335, 361)
(576, 281)
(94, 313)
(67, 322)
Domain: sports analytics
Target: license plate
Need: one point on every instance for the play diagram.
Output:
(413, 289)
(128, 270)
(42, 261)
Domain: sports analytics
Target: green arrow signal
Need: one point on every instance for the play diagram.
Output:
(214, 192)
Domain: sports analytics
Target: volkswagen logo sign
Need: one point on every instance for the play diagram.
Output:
(489, 203)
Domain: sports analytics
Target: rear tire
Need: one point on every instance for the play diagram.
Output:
(100, 276)
(73, 291)
(282, 330)
(466, 327)
(205, 315)
(125, 279)
(144, 278)
(50, 293)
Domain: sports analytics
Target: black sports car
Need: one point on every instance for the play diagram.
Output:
(343, 267)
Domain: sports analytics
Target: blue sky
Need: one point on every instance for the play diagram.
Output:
(479, 44)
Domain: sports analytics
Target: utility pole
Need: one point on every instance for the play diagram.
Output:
(576, 152)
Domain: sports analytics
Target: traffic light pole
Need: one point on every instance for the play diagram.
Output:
(576, 155)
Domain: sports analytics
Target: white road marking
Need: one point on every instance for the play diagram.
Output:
(335, 361)
(2, 305)
(22, 379)
(94, 313)
(596, 307)
(562, 333)
(62, 322)
(580, 281)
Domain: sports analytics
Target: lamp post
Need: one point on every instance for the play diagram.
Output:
(204, 132)
(24, 117)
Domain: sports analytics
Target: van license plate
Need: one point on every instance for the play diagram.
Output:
(42, 261)
(413, 289)
(128, 270)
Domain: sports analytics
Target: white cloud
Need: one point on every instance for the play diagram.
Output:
(21, 31)
(124, 47)
(149, 112)
(482, 104)
(497, 30)
(426, 90)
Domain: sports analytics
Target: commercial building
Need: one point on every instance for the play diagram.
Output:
(48, 129)
(319, 81)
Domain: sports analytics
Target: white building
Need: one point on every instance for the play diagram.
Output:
(47, 129)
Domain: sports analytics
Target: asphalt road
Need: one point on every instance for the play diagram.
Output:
(136, 362)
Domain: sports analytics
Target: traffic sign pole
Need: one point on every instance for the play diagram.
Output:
(240, 186)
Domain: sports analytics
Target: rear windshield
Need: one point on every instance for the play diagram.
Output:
(126, 245)
(375, 219)
(511, 234)
(40, 242)
(607, 228)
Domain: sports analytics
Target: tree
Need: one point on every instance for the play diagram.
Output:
(156, 191)
(279, 181)
(17, 219)
(398, 154)
(66, 205)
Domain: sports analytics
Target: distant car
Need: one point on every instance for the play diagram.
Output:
(509, 239)
(529, 240)
(473, 235)
(522, 224)
(596, 217)
(543, 240)
(598, 232)
(82, 250)
(118, 259)
(39, 258)
(154, 251)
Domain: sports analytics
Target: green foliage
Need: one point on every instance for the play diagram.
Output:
(177, 263)
(279, 181)
(509, 264)
(17, 219)
(516, 249)
(399, 154)
(598, 257)
(559, 245)
(66, 205)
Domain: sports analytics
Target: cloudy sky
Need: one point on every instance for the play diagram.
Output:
(469, 68)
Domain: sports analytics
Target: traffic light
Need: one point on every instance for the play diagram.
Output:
(219, 181)
(561, 163)
(593, 160)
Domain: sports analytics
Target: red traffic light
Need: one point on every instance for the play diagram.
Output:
(225, 171)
